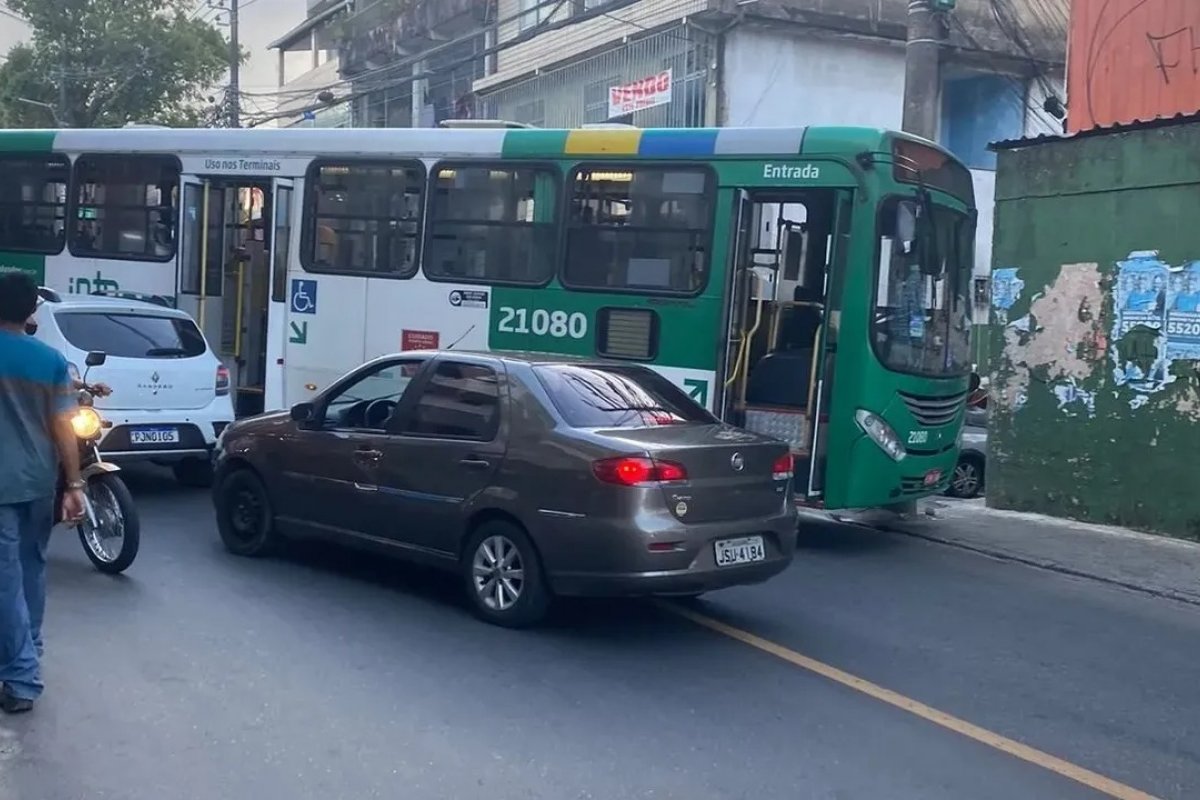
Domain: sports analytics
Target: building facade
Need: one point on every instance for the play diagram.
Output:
(309, 78)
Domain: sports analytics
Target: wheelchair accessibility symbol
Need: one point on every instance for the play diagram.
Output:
(304, 296)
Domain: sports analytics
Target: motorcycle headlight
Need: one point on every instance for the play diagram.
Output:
(880, 433)
(86, 423)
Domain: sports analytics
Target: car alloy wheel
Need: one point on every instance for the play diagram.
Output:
(498, 573)
(966, 480)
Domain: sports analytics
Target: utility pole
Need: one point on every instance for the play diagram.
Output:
(235, 57)
(60, 114)
(923, 66)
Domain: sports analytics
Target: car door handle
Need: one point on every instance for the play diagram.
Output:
(475, 462)
(368, 455)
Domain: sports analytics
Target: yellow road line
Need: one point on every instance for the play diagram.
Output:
(1076, 773)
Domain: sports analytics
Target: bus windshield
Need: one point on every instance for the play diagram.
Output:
(922, 319)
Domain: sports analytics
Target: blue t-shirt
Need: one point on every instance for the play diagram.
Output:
(35, 387)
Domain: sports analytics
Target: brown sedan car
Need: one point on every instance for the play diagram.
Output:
(531, 476)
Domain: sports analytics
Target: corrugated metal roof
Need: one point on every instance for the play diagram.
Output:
(1136, 125)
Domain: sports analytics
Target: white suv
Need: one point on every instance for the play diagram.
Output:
(170, 393)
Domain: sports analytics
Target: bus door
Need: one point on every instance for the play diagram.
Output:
(282, 195)
(198, 268)
(778, 364)
(224, 275)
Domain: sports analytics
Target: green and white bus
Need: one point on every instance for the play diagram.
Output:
(811, 283)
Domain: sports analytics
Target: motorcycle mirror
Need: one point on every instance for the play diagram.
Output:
(302, 412)
(96, 358)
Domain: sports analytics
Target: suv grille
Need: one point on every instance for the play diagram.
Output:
(934, 411)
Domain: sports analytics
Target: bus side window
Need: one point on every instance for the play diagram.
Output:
(492, 223)
(363, 217)
(639, 228)
(33, 202)
(127, 207)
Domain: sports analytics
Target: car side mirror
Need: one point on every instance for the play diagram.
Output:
(302, 412)
(96, 358)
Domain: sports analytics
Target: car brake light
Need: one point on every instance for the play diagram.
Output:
(222, 380)
(782, 470)
(631, 471)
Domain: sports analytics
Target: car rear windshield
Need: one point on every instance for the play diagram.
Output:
(618, 397)
(124, 335)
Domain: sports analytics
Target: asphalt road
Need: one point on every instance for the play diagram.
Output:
(327, 675)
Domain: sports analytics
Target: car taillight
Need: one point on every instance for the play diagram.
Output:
(222, 380)
(632, 470)
(782, 470)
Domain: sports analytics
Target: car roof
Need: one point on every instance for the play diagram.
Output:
(91, 302)
(530, 357)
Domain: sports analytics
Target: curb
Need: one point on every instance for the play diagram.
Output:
(1051, 566)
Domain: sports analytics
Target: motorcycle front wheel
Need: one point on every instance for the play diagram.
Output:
(112, 542)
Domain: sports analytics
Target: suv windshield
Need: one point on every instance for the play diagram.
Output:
(617, 397)
(922, 320)
(126, 335)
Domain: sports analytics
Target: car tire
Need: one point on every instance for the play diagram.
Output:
(244, 516)
(194, 473)
(492, 545)
(967, 480)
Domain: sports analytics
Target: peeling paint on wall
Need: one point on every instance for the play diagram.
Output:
(1057, 342)
(1097, 363)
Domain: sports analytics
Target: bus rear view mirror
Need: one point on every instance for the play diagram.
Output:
(975, 382)
(906, 224)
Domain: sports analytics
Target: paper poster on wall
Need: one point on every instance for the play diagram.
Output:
(1006, 290)
(1139, 339)
(1183, 313)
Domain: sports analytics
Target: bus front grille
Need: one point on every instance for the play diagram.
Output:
(934, 411)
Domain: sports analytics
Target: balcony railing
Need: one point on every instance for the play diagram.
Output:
(387, 30)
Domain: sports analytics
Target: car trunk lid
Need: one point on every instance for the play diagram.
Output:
(156, 385)
(731, 473)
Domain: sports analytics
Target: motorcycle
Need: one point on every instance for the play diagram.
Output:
(110, 530)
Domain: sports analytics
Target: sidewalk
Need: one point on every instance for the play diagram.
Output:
(1154, 564)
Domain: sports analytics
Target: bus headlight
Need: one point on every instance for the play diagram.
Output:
(881, 433)
(86, 423)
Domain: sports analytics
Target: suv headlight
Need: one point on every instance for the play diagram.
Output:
(880, 433)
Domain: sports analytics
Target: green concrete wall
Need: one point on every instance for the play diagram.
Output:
(1095, 334)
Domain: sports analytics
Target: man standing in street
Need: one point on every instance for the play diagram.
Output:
(36, 439)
